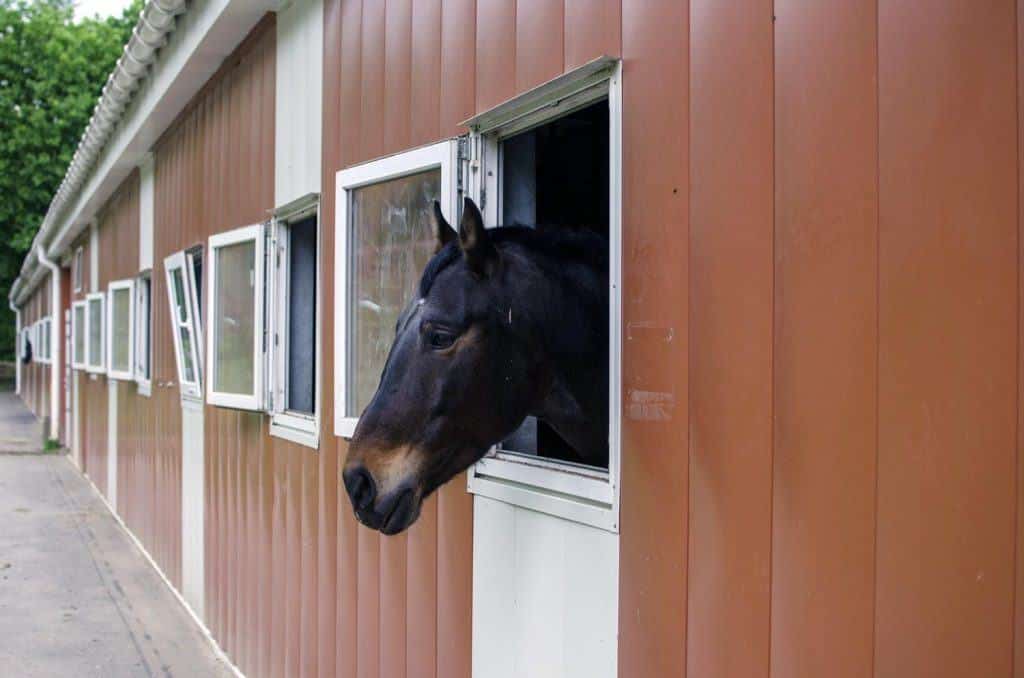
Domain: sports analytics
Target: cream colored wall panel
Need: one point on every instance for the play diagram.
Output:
(192, 514)
(299, 99)
(545, 595)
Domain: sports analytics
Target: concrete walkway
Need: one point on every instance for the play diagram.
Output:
(77, 598)
(20, 431)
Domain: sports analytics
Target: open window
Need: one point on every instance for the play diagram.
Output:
(183, 301)
(95, 324)
(384, 237)
(235, 298)
(78, 335)
(143, 329)
(121, 324)
(551, 157)
(293, 285)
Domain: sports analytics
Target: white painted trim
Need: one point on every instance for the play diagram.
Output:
(115, 286)
(94, 256)
(440, 155)
(559, 489)
(193, 506)
(147, 211)
(174, 262)
(298, 100)
(112, 442)
(254, 400)
(89, 365)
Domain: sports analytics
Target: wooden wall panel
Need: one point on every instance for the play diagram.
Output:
(495, 52)
(539, 33)
(731, 273)
(823, 284)
(1018, 616)
(655, 479)
(947, 338)
(592, 28)
(825, 339)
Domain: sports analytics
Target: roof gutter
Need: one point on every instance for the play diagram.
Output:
(156, 21)
(17, 345)
(55, 342)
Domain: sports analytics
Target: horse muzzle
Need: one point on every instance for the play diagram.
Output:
(391, 512)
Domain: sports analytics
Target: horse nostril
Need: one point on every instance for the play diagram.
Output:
(361, 488)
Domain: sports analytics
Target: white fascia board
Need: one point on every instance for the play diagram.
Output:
(209, 32)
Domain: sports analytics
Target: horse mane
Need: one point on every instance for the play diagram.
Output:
(566, 245)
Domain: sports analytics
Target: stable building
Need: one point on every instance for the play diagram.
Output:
(814, 372)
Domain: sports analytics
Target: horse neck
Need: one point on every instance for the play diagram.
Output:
(577, 402)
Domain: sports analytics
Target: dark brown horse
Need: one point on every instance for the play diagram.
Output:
(508, 323)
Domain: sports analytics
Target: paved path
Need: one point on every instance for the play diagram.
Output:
(20, 431)
(77, 598)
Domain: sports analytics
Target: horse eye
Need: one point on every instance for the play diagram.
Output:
(439, 339)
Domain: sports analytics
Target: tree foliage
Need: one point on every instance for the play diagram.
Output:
(52, 70)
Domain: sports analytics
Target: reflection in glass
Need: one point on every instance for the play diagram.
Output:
(120, 327)
(179, 294)
(80, 334)
(234, 323)
(96, 332)
(391, 241)
(186, 350)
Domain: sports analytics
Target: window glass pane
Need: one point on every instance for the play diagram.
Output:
(186, 349)
(142, 291)
(95, 332)
(79, 334)
(235, 321)
(301, 316)
(121, 330)
(179, 294)
(392, 239)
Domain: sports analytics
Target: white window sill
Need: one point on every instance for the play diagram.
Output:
(550, 502)
(345, 427)
(299, 430)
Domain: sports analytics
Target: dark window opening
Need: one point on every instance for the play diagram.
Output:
(195, 257)
(302, 293)
(556, 176)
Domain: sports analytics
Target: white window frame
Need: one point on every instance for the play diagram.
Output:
(75, 329)
(77, 268)
(441, 155)
(129, 285)
(575, 492)
(89, 365)
(194, 388)
(255, 233)
(298, 427)
(143, 330)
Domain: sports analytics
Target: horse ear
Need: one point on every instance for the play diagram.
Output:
(476, 246)
(445, 232)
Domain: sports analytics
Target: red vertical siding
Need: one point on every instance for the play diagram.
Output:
(825, 339)
(731, 249)
(655, 478)
(947, 338)
(821, 273)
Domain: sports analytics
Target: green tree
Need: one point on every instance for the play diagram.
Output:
(52, 70)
